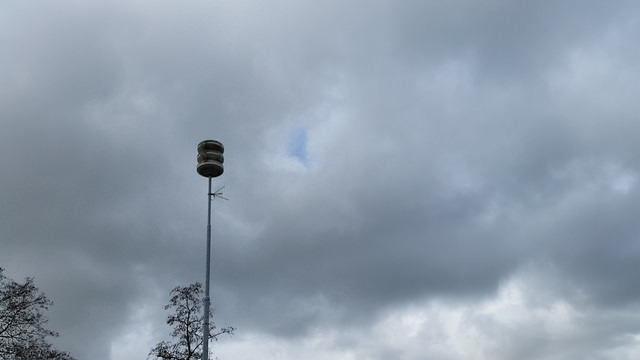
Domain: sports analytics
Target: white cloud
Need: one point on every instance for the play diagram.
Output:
(518, 321)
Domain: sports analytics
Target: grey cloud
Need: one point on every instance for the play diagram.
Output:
(451, 145)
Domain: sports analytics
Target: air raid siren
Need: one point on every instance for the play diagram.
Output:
(210, 158)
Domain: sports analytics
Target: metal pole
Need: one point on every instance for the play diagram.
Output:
(207, 300)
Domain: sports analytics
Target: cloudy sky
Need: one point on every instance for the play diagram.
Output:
(412, 180)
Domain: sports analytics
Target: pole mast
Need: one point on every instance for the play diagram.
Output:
(210, 160)
(207, 299)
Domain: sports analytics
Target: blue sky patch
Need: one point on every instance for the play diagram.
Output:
(298, 145)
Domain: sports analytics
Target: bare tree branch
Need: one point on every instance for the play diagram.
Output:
(22, 332)
(186, 304)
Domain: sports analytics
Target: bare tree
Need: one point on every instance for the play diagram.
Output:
(187, 322)
(22, 332)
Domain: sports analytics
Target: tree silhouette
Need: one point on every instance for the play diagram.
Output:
(22, 332)
(187, 322)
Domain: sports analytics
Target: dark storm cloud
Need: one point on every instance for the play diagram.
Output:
(509, 40)
(447, 147)
(513, 141)
(64, 176)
